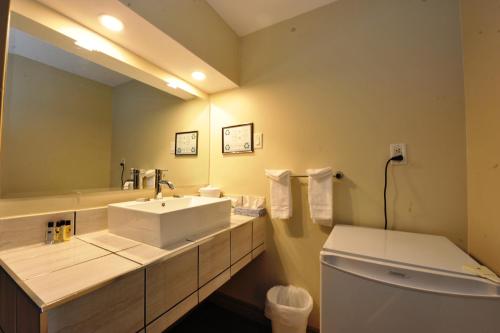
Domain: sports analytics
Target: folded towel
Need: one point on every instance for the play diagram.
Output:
(253, 202)
(281, 193)
(150, 179)
(320, 195)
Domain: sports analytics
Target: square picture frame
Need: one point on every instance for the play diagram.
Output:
(238, 139)
(186, 143)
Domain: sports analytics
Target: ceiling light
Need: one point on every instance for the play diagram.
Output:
(172, 83)
(86, 44)
(111, 23)
(200, 76)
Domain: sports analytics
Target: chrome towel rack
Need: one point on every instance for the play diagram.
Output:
(336, 174)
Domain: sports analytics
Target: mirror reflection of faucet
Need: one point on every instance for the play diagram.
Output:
(159, 181)
(135, 181)
(150, 178)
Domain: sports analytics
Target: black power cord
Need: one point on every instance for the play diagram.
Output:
(122, 164)
(394, 158)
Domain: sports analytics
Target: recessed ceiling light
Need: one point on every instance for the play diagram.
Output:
(200, 76)
(172, 83)
(111, 23)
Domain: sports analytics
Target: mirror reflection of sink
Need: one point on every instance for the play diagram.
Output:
(168, 221)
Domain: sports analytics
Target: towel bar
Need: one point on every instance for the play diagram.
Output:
(337, 175)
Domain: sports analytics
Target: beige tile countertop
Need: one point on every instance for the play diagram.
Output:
(55, 274)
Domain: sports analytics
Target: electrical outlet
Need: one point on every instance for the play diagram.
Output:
(122, 161)
(396, 149)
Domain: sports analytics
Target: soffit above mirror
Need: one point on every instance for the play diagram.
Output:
(23, 44)
(56, 29)
(144, 39)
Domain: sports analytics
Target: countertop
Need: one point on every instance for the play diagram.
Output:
(55, 274)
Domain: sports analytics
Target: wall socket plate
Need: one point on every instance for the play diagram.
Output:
(398, 149)
(257, 140)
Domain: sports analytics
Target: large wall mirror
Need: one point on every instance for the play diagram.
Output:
(69, 122)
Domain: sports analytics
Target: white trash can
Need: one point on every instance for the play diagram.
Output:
(288, 307)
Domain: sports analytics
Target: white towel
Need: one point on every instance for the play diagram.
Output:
(150, 178)
(320, 195)
(281, 193)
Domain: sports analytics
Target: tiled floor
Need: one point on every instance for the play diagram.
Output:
(208, 317)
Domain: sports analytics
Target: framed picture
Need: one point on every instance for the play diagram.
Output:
(186, 143)
(237, 139)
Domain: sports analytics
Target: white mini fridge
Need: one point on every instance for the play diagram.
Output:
(381, 281)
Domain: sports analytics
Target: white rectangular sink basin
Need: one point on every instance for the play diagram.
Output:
(165, 222)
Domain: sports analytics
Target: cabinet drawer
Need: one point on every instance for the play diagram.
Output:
(174, 314)
(241, 242)
(259, 232)
(258, 251)
(169, 282)
(214, 257)
(117, 307)
(240, 264)
(213, 285)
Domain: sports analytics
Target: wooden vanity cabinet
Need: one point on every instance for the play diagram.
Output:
(153, 297)
(169, 282)
(215, 257)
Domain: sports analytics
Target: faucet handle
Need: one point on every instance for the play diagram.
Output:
(159, 173)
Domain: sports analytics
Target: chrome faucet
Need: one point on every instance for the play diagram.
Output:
(159, 181)
(134, 178)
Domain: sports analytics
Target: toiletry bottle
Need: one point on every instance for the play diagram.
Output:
(61, 231)
(57, 232)
(67, 230)
(49, 237)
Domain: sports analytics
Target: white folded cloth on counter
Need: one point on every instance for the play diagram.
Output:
(320, 195)
(281, 193)
(253, 202)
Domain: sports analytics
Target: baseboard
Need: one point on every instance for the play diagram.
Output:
(249, 311)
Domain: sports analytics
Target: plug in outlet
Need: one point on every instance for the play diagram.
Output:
(398, 149)
(122, 162)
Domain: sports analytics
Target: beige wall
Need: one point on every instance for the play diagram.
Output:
(334, 87)
(482, 79)
(145, 121)
(198, 27)
(56, 130)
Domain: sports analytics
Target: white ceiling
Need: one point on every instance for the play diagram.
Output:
(25, 45)
(247, 16)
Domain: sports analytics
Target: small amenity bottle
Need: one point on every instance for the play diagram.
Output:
(67, 230)
(57, 232)
(49, 237)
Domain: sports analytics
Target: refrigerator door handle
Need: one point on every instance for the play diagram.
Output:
(412, 278)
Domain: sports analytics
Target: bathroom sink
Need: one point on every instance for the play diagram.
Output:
(165, 222)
